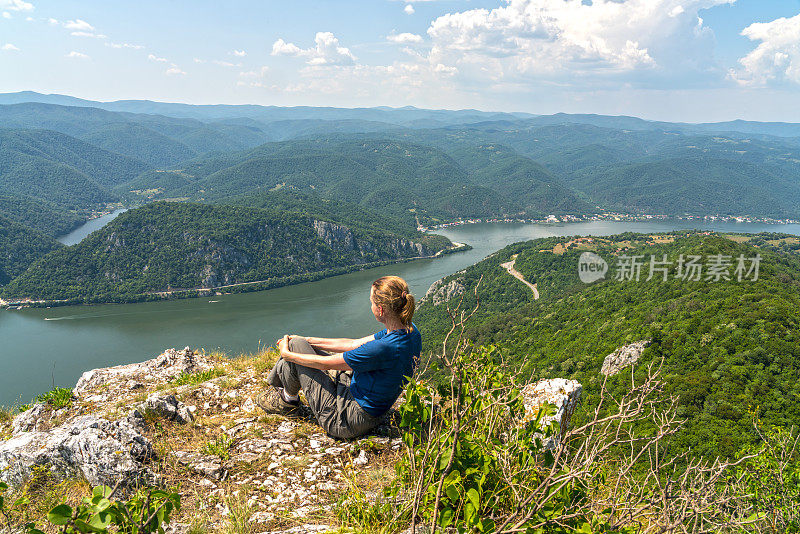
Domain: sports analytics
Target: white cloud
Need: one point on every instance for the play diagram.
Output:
(78, 25)
(533, 39)
(16, 5)
(326, 52)
(225, 63)
(250, 74)
(52, 21)
(239, 53)
(153, 57)
(282, 48)
(29, 19)
(405, 38)
(409, 9)
(6, 15)
(174, 70)
(77, 55)
(776, 58)
(198, 60)
(124, 45)
(8, 47)
(89, 34)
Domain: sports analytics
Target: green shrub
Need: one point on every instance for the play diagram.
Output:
(770, 475)
(145, 512)
(57, 398)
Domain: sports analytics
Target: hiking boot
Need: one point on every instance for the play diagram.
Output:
(272, 402)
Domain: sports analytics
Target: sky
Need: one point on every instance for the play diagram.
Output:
(675, 60)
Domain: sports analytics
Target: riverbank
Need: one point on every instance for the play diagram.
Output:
(243, 287)
(612, 217)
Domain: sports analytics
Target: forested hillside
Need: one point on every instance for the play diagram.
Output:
(729, 347)
(45, 217)
(150, 139)
(167, 247)
(56, 168)
(20, 247)
(400, 177)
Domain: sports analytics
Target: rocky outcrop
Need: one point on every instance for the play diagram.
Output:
(101, 451)
(623, 357)
(336, 236)
(99, 385)
(166, 407)
(97, 446)
(136, 424)
(441, 291)
(341, 239)
(559, 392)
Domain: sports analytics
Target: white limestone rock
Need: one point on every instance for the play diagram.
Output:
(101, 451)
(440, 291)
(562, 393)
(167, 407)
(622, 357)
(28, 420)
(99, 385)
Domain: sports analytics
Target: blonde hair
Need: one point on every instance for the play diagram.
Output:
(392, 293)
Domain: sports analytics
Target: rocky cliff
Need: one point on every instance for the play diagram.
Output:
(188, 420)
(168, 249)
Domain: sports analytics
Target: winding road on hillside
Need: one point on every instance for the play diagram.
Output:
(509, 266)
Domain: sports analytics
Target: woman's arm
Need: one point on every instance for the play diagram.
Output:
(338, 344)
(334, 362)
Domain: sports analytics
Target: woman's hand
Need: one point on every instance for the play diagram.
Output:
(283, 345)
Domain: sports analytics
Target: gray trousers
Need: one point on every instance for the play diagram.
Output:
(329, 397)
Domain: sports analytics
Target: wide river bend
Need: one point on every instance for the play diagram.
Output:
(40, 348)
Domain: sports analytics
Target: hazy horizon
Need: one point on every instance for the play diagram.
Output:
(396, 107)
(669, 60)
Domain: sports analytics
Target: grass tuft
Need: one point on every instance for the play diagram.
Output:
(219, 447)
(197, 378)
(57, 398)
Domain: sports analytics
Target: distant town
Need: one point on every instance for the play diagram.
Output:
(611, 216)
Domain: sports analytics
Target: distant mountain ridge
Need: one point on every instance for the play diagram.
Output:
(265, 113)
(407, 116)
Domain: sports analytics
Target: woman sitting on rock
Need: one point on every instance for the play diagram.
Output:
(370, 371)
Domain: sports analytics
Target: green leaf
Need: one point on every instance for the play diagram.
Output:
(60, 515)
(102, 491)
(452, 493)
(445, 518)
(474, 497)
(101, 520)
(83, 526)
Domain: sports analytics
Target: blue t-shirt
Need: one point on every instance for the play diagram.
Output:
(380, 368)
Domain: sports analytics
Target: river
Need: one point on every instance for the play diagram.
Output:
(77, 235)
(40, 348)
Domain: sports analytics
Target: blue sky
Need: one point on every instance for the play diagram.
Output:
(687, 60)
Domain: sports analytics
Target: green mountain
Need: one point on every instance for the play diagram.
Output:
(20, 247)
(181, 247)
(151, 139)
(44, 217)
(144, 144)
(53, 167)
(649, 170)
(403, 178)
(692, 184)
(730, 348)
